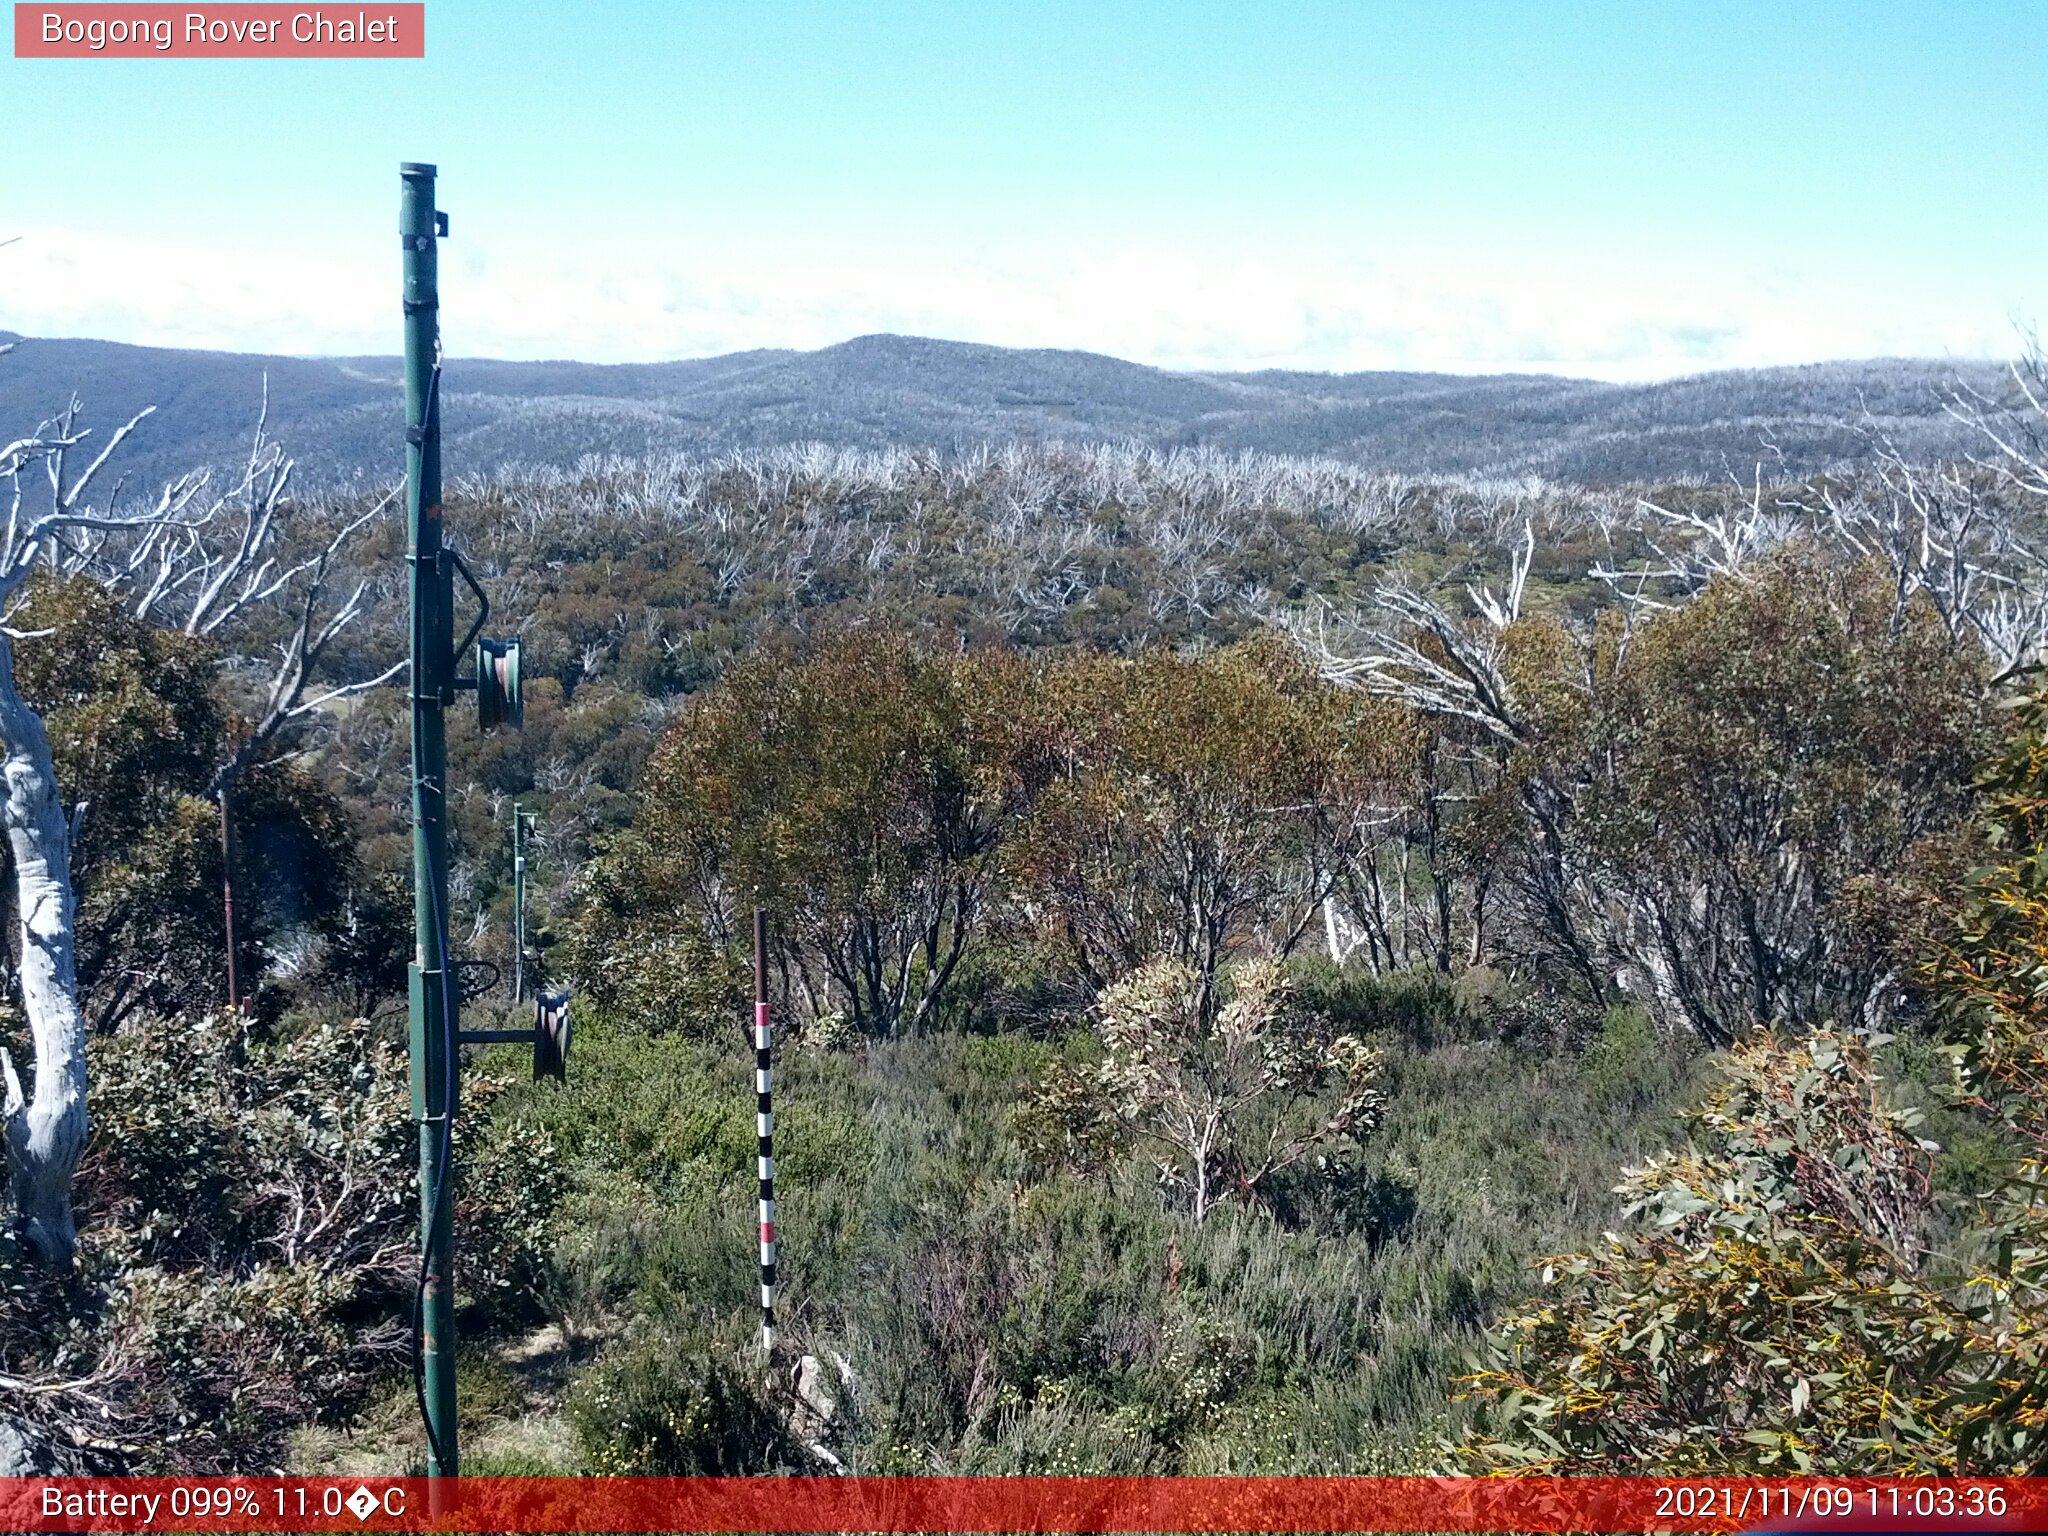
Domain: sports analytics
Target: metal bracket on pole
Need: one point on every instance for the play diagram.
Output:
(549, 1036)
(483, 603)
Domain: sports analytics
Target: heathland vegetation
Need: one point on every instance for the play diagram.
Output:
(1237, 920)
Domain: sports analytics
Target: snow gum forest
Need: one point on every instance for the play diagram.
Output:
(1280, 965)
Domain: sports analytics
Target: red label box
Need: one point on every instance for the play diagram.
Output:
(372, 30)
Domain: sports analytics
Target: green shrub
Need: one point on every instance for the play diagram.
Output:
(490, 1463)
(649, 1408)
(488, 1391)
(1771, 1271)
(249, 1215)
(655, 974)
(1055, 1434)
(1628, 1065)
(1421, 1008)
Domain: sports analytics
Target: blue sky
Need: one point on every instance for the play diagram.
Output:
(1615, 190)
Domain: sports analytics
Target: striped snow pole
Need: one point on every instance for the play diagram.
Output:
(764, 1126)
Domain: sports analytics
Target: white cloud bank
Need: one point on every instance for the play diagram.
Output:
(1604, 316)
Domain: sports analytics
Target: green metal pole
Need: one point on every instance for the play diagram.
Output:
(518, 908)
(433, 1022)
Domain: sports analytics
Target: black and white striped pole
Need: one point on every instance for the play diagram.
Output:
(764, 1125)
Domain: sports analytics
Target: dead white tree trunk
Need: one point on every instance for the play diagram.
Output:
(45, 1127)
(45, 1122)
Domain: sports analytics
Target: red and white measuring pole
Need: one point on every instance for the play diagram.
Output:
(764, 1126)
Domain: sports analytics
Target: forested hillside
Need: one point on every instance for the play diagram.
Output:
(340, 415)
(1236, 918)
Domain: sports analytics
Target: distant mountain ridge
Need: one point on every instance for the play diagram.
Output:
(340, 416)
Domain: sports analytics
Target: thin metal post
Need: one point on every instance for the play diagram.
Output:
(435, 1057)
(764, 1125)
(518, 908)
(227, 895)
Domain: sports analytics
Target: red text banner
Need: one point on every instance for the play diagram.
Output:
(232, 31)
(1050, 1504)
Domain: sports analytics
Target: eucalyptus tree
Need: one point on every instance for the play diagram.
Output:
(1717, 794)
(1201, 807)
(864, 790)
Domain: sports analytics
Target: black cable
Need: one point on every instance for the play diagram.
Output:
(449, 1045)
(490, 972)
